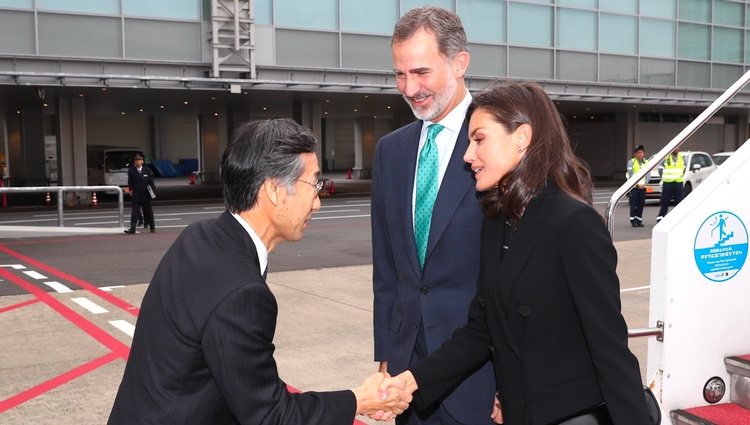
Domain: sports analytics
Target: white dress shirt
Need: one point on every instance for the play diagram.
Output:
(259, 246)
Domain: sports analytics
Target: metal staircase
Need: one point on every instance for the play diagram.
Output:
(233, 38)
(736, 412)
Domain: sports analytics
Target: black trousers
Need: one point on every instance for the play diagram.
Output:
(148, 213)
(637, 201)
(670, 190)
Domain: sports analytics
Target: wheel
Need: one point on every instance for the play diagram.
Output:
(687, 189)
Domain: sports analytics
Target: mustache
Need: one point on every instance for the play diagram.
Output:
(421, 95)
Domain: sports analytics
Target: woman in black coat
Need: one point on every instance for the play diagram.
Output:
(547, 312)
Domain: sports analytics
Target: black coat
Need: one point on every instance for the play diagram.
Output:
(203, 348)
(138, 182)
(548, 315)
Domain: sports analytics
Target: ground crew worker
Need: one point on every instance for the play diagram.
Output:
(638, 193)
(672, 177)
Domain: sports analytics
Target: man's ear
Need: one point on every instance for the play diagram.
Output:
(461, 63)
(271, 189)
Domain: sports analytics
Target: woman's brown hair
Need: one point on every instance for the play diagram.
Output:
(549, 157)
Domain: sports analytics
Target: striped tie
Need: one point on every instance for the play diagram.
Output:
(427, 190)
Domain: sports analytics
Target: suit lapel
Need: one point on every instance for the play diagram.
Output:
(456, 181)
(403, 177)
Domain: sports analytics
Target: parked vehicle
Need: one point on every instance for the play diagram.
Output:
(699, 166)
(720, 157)
(108, 165)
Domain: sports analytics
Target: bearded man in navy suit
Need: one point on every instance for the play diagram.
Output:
(423, 290)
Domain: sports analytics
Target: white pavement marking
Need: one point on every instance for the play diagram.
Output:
(124, 326)
(35, 275)
(341, 216)
(116, 222)
(638, 288)
(58, 287)
(89, 305)
(14, 266)
(110, 288)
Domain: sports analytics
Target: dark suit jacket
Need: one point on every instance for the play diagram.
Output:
(440, 294)
(549, 317)
(138, 182)
(203, 346)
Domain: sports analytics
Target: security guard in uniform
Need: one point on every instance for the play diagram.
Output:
(672, 177)
(638, 193)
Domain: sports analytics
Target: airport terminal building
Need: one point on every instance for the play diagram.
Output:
(174, 77)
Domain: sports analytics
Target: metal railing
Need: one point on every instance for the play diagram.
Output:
(674, 143)
(717, 104)
(61, 189)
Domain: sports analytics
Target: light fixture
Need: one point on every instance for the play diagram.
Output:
(388, 107)
(216, 114)
(264, 108)
(161, 106)
(122, 113)
(185, 102)
(140, 110)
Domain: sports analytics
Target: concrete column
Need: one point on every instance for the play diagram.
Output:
(213, 137)
(364, 147)
(14, 152)
(309, 115)
(71, 147)
(71, 142)
(330, 144)
(742, 132)
(32, 168)
(4, 147)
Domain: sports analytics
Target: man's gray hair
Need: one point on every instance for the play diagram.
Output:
(445, 24)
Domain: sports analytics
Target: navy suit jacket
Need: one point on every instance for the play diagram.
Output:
(550, 311)
(203, 346)
(439, 294)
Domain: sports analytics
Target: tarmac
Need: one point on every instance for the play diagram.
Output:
(62, 364)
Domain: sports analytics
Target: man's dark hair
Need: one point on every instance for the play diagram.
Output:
(262, 150)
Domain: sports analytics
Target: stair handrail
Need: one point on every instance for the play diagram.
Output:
(674, 143)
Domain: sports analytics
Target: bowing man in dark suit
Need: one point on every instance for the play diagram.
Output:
(548, 304)
(140, 179)
(425, 226)
(203, 347)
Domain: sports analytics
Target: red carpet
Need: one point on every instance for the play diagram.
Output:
(722, 414)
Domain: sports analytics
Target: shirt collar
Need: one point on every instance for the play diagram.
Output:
(259, 246)
(456, 117)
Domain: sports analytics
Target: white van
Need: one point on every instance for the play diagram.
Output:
(108, 165)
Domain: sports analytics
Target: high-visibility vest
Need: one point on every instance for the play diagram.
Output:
(674, 171)
(634, 166)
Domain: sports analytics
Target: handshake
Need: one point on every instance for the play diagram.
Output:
(382, 397)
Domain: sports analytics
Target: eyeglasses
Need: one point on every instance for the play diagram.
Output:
(318, 185)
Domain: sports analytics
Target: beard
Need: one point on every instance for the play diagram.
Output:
(440, 101)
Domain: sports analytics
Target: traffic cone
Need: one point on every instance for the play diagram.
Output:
(331, 189)
(349, 174)
(94, 201)
(191, 179)
(47, 199)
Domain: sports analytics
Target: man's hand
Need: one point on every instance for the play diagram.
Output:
(405, 381)
(374, 398)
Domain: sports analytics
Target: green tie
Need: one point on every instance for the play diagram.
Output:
(427, 190)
